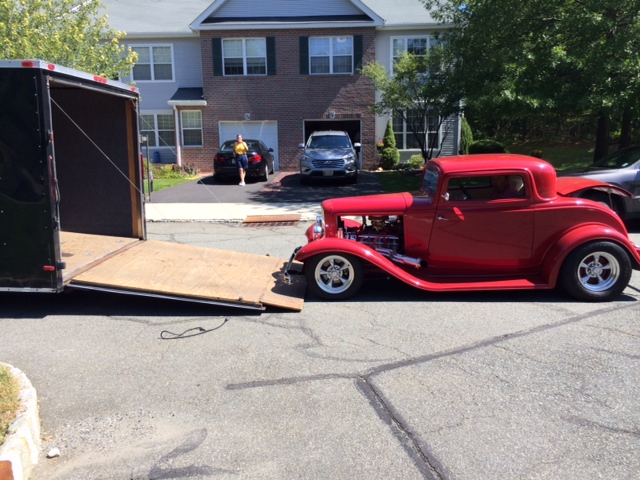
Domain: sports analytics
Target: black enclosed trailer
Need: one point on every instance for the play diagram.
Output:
(72, 202)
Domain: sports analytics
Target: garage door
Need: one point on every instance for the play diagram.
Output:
(267, 131)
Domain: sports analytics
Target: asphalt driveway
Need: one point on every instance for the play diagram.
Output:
(281, 187)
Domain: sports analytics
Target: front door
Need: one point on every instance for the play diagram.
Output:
(477, 232)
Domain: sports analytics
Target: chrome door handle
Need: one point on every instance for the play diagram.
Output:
(440, 217)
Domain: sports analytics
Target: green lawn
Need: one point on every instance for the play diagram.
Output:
(162, 183)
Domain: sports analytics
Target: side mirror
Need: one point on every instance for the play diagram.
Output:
(446, 197)
(301, 145)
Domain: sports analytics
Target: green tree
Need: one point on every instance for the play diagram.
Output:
(466, 136)
(423, 90)
(389, 156)
(572, 56)
(67, 32)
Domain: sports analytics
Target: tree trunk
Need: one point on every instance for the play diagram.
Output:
(602, 137)
(625, 130)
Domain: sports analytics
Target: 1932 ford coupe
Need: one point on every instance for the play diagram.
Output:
(478, 222)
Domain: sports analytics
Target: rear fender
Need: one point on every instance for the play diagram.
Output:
(554, 259)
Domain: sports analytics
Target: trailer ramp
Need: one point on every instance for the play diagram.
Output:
(186, 272)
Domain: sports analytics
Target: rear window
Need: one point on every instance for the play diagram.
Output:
(228, 145)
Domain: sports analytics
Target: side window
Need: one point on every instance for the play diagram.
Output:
(486, 188)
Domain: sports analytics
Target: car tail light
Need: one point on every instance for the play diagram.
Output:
(219, 159)
(255, 159)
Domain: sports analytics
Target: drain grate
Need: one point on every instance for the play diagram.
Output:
(289, 223)
(271, 220)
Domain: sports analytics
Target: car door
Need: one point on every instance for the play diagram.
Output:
(475, 231)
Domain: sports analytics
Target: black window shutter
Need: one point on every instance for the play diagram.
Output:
(271, 55)
(357, 52)
(216, 45)
(304, 55)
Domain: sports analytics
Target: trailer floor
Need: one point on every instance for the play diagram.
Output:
(184, 272)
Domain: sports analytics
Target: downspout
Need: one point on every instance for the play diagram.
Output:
(178, 145)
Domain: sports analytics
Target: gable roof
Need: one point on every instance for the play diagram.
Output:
(153, 18)
(402, 13)
(142, 19)
(270, 14)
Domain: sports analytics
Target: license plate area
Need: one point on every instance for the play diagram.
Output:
(327, 173)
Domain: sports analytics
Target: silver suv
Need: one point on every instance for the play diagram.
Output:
(327, 155)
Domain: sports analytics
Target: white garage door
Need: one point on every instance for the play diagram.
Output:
(267, 131)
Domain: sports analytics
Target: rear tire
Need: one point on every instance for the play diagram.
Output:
(596, 272)
(264, 176)
(334, 276)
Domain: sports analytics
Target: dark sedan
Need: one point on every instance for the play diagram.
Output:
(259, 155)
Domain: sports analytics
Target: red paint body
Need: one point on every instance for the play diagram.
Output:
(452, 238)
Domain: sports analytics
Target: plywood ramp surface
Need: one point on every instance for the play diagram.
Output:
(80, 250)
(173, 269)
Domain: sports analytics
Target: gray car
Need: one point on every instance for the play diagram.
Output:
(620, 168)
(329, 155)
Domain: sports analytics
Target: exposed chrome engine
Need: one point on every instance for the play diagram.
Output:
(384, 234)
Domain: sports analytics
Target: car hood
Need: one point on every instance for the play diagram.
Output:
(328, 153)
(569, 186)
(588, 171)
(383, 204)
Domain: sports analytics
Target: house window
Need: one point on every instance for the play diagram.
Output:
(417, 46)
(425, 126)
(155, 63)
(191, 128)
(245, 56)
(331, 55)
(159, 129)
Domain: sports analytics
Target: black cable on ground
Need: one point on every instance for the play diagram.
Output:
(192, 332)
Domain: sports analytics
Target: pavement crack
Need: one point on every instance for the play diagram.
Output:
(425, 462)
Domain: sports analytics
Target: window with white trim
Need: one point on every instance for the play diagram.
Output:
(244, 56)
(427, 127)
(159, 129)
(330, 55)
(417, 45)
(155, 63)
(191, 121)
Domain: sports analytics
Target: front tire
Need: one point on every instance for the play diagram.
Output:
(334, 276)
(597, 271)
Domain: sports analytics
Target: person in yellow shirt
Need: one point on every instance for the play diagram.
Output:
(240, 150)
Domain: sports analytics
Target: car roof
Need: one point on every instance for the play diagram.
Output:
(330, 132)
(495, 163)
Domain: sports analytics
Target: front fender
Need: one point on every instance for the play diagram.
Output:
(342, 245)
(556, 255)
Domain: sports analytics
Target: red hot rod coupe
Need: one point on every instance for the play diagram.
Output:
(478, 222)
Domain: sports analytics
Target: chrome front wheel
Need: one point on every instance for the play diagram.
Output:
(334, 276)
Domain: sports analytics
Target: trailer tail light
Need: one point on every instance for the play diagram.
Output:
(30, 64)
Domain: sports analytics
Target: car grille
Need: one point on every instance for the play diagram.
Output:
(337, 163)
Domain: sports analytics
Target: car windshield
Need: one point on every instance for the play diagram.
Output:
(329, 141)
(430, 182)
(620, 159)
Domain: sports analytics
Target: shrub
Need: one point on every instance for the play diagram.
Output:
(537, 153)
(487, 146)
(466, 136)
(415, 162)
(389, 156)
